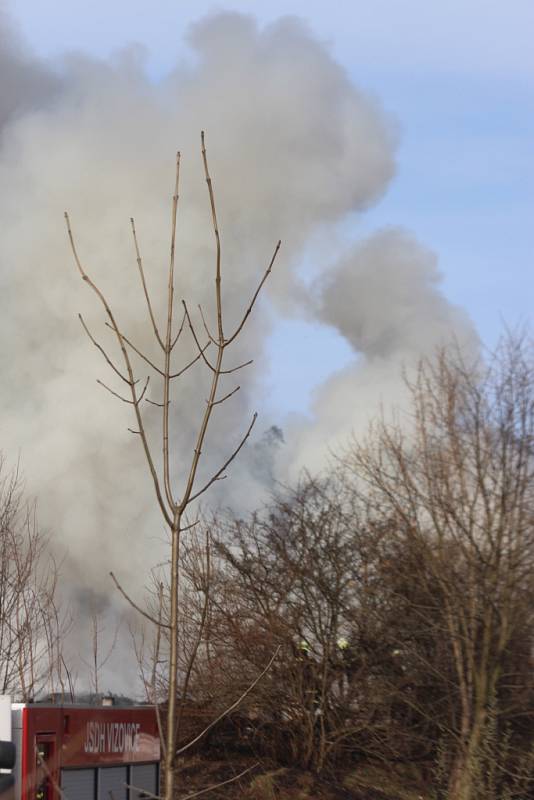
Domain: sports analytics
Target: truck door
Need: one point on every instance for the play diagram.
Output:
(45, 767)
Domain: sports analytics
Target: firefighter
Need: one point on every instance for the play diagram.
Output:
(343, 663)
(303, 650)
(308, 679)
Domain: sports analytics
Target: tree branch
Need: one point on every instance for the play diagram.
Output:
(101, 349)
(208, 333)
(128, 364)
(120, 397)
(217, 475)
(139, 352)
(232, 707)
(226, 396)
(143, 282)
(218, 279)
(255, 296)
(134, 604)
(203, 349)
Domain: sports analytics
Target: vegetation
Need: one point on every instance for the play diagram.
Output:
(395, 594)
(400, 592)
(32, 626)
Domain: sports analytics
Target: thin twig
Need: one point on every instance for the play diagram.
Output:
(180, 329)
(120, 339)
(151, 363)
(208, 333)
(203, 349)
(188, 527)
(139, 352)
(190, 364)
(218, 279)
(226, 396)
(101, 349)
(239, 366)
(217, 475)
(124, 399)
(255, 295)
(134, 605)
(168, 345)
(145, 290)
(115, 394)
(232, 707)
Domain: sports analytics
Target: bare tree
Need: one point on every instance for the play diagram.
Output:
(175, 501)
(147, 643)
(31, 625)
(301, 574)
(400, 592)
(100, 652)
(457, 491)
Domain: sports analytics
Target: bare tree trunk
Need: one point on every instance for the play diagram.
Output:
(170, 750)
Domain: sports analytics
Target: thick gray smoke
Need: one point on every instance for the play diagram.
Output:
(294, 148)
(383, 297)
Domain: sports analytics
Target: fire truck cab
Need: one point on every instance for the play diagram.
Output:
(80, 752)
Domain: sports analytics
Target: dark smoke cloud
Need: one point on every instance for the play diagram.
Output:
(26, 82)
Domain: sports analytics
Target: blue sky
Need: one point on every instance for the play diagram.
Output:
(458, 78)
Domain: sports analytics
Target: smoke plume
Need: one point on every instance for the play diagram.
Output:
(294, 147)
(383, 297)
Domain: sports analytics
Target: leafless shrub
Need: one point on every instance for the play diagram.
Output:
(31, 625)
(457, 492)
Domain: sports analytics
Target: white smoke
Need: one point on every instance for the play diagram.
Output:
(294, 148)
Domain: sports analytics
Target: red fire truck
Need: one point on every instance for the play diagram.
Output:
(87, 752)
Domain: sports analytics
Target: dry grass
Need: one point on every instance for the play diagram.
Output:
(269, 782)
(394, 783)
